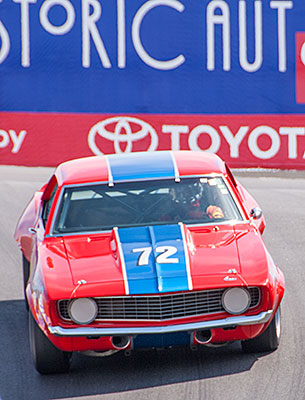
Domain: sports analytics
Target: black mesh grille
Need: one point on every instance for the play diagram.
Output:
(160, 307)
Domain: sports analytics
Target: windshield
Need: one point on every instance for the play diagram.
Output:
(100, 207)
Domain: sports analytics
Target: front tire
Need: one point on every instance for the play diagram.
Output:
(47, 358)
(268, 341)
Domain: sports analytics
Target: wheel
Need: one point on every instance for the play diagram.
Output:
(268, 341)
(26, 275)
(47, 358)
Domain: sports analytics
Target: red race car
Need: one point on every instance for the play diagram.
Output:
(146, 250)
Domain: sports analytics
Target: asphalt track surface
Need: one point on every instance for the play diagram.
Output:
(211, 373)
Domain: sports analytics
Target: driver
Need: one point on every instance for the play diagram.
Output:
(187, 200)
(191, 202)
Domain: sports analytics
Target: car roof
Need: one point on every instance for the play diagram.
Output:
(138, 166)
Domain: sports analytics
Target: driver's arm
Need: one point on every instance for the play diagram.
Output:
(214, 212)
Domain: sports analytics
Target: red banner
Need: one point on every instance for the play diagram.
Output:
(47, 139)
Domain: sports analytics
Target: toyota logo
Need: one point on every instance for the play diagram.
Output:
(123, 132)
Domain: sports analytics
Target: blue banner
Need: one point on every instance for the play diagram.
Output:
(155, 56)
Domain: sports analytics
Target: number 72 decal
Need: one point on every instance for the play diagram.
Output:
(163, 258)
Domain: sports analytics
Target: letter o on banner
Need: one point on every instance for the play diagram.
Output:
(44, 17)
(204, 129)
(303, 53)
(5, 42)
(275, 142)
(4, 139)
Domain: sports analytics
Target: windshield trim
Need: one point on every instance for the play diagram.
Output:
(244, 218)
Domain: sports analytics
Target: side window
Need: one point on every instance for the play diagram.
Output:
(47, 205)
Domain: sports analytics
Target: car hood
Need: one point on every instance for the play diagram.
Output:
(164, 258)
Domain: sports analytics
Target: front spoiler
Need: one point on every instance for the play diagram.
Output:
(261, 318)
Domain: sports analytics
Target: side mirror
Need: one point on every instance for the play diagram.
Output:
(256, 213)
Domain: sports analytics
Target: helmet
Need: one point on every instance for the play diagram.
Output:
(187, 193)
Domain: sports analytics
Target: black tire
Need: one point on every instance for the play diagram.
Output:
(26, 275)
(268, 341)
(47, 358)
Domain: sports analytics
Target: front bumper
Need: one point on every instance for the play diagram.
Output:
(261, 318)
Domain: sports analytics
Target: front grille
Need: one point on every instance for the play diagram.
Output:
(160, 307)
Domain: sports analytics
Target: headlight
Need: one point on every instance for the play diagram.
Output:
(82, 311)
(236, 300)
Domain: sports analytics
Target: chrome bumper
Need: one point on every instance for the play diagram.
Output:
(218, 323)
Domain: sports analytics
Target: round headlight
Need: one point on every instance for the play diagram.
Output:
(82, 311)
(236, 300)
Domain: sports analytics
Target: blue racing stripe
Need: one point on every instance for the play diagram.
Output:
(155, 259)
(141, 166)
